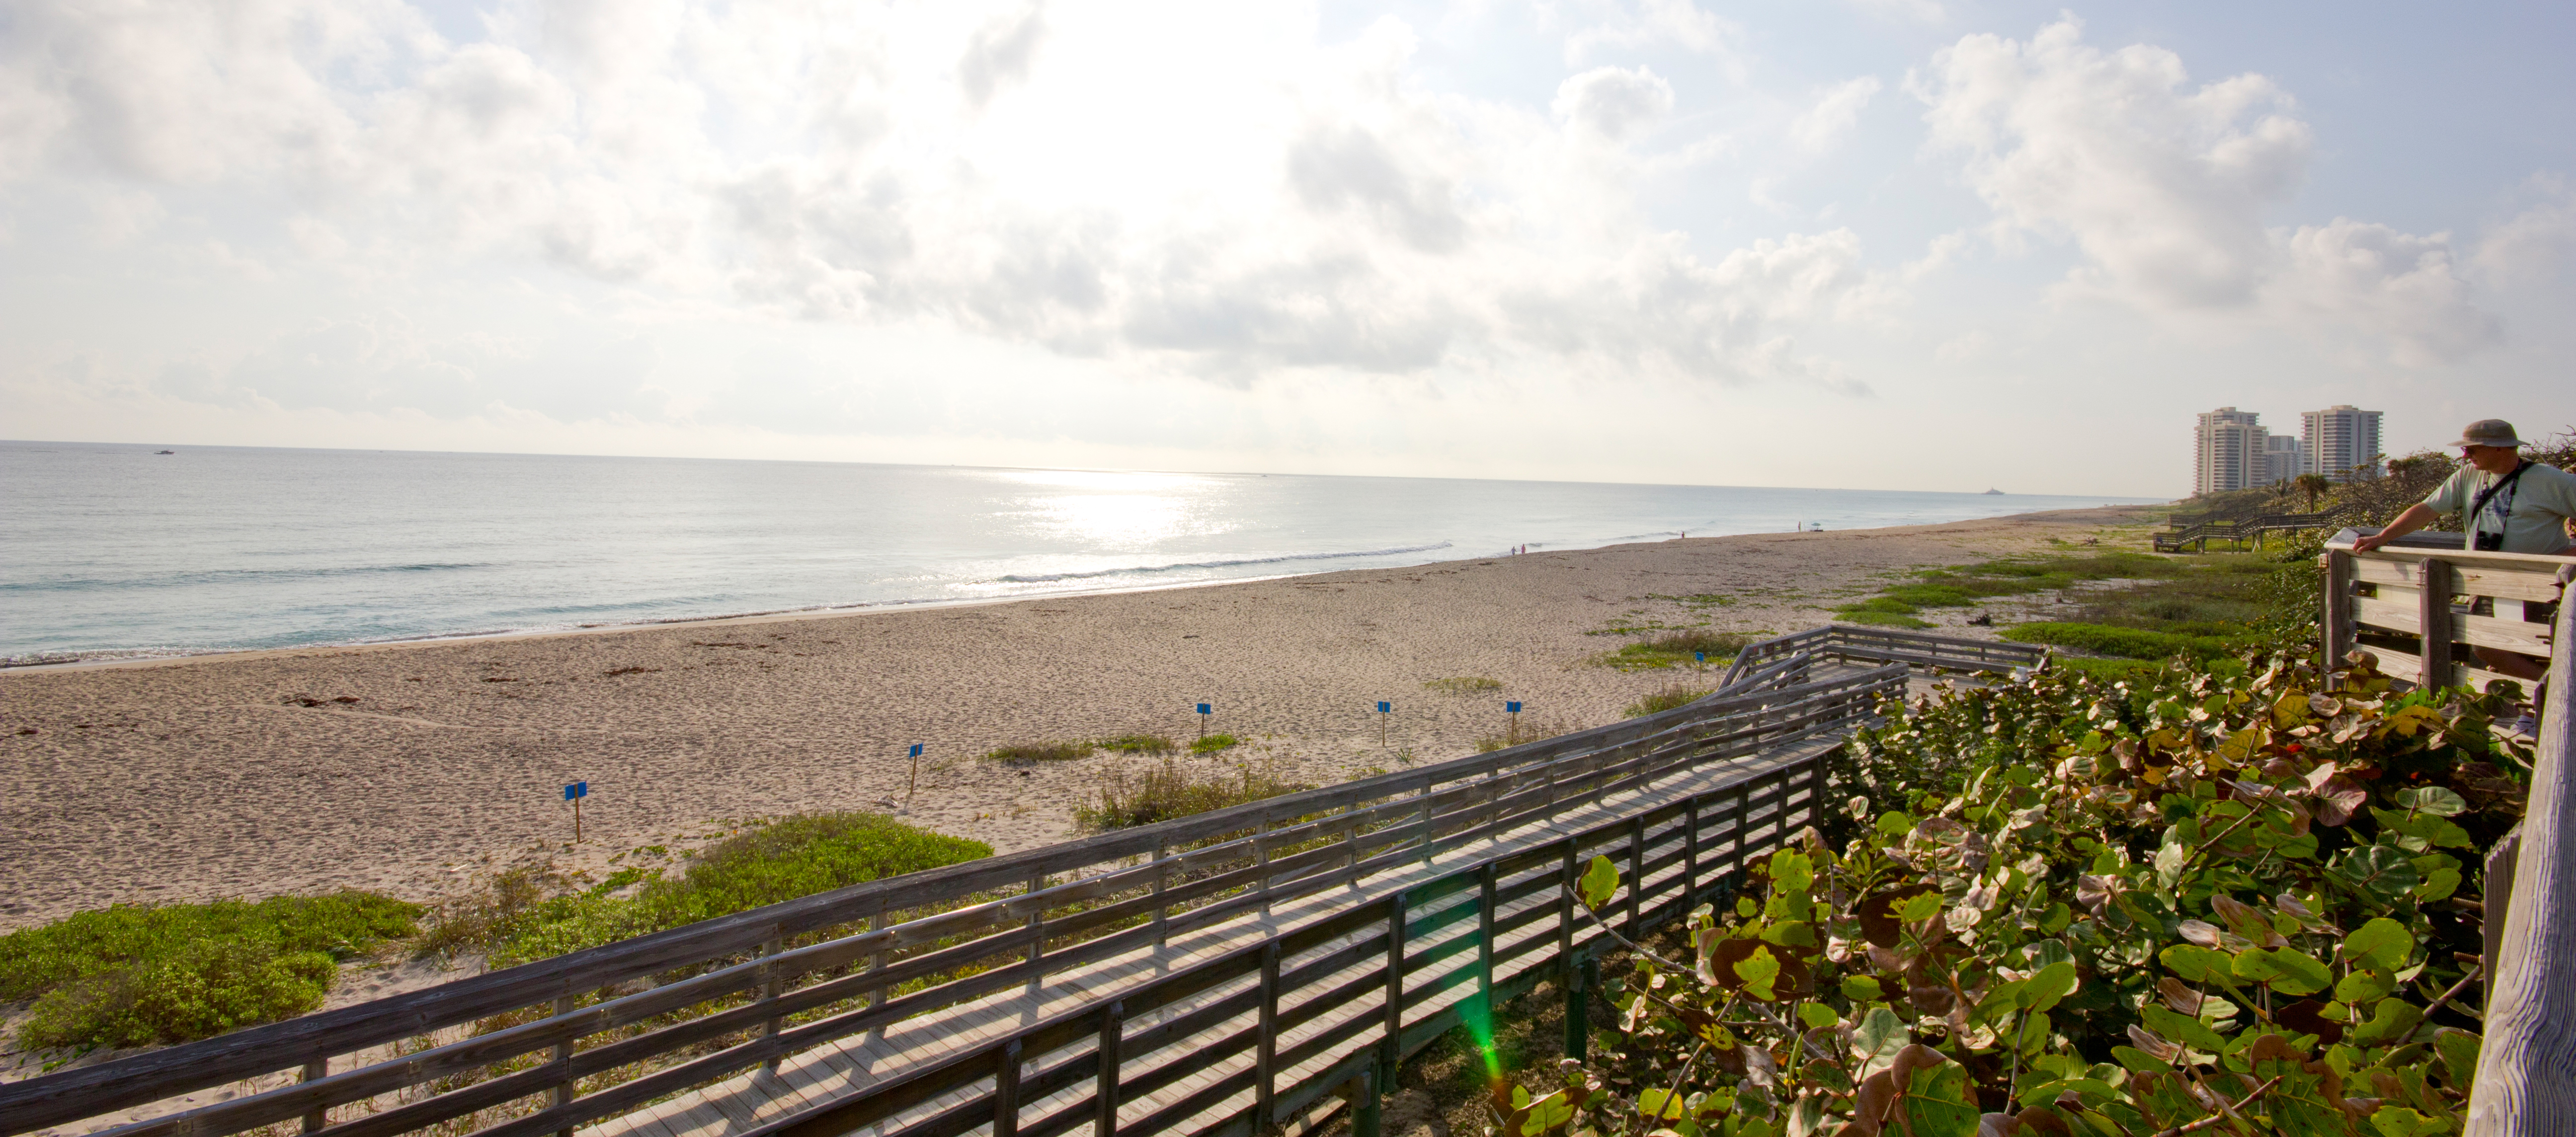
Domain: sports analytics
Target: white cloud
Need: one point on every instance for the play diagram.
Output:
(2537, 243)
(1617, 24)
(1823, 126)
(2166, 189)
(1614, 102)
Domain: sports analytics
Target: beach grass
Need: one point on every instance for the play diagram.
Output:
(1024, 753)
(1139, 744)
(132, 975)
(1529, 730)
(1463, 685)
(1678, 648)
(1164, 791)
(528, 914)
(1214, 743)
(1666, 698)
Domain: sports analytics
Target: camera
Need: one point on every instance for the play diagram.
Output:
(2490, 542)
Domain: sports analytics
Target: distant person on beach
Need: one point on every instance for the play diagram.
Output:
(2507, 504)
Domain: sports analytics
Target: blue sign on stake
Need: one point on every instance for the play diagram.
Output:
(1384, 707)
(1700, 656)
(1513, 707)
(1207, 708)
(916, 751)
(576, 791)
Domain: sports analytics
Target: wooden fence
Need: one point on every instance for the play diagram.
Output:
(2425, 592)
(1886, 645)
(556, 1044)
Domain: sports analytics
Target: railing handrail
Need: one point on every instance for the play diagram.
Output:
(66, 1095)
(1855, 642)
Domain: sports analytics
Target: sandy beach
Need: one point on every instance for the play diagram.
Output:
(409, 768)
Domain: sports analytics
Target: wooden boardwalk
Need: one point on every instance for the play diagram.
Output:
(747, 1102)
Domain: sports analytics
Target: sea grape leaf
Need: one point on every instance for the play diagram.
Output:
(2287, 970)
(2380, 872)
(2048, 985)
(1817, 1015)
(2197, 964)
(1599, 882)
(1792, 870)
(2459, 1053)
(2381, 943)
(2189, 1031)
(1758, 970)
(1861, 989)
(2399, 1121)
(2034, 1033)
(2391, 1020)
(1876, 1040)
(1938, 1102)
(2434, 800)
(1659, 1103)
(2364, 985)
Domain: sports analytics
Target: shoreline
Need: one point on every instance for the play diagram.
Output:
(415, 766)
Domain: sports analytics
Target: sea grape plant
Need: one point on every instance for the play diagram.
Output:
(2194, 904)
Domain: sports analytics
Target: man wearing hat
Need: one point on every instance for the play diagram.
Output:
(2505, 503)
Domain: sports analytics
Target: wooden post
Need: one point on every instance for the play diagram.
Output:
(2498, 887)
(1265, 1045)
(1636, 870)
(1578, 1005)
(1425, 795)
(1161, 870)
(1568, 872)
(1006, 1091)
(320, 1118)
(2338, 613)
(1104, 1086)
(1690, 854)
(564, 1089)
(1391, 1054)
(1261, 858)
(1485, 939)
(2433, 616)
(2527, 1061)
(1368, 1119)
(877, 961)
(1037, 933)
(770, 986)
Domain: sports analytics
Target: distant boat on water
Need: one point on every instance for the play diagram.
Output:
(1992, 493)
(165, 451)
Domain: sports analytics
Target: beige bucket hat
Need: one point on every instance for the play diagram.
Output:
(2488, 432)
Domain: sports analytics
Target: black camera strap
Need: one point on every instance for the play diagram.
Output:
(2488, 494)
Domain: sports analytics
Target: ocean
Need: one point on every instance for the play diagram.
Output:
(116, 551)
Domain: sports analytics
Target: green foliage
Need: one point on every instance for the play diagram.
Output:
(1464, 685)
(2094, 907)
(2125, 643)
(1166, 791)
(527, 915)
(1139, 744)
(1214, 743)
(1666, 698)
(133, 974)
(1681, 648)
(1024, 753)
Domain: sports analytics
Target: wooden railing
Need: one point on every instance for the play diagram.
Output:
(504, 1053)
(2427, 594)
(1884, 645)
(2200, 532)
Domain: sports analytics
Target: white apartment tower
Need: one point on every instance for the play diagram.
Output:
(2229, 452)
(2342, 443)
(2284, 458)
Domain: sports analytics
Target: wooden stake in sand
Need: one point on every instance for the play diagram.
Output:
(1205, 709)
(914, 782)
(574, 793)
(1384, 709)
(1512, 707)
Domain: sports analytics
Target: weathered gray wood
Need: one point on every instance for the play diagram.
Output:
(2433, 618)
(2338, 604)
(2527, 1060)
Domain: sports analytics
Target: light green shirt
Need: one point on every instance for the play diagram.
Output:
(2531, 515)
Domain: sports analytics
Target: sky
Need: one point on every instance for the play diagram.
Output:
(1890, 244)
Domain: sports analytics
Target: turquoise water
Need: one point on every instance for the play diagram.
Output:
(116, 551)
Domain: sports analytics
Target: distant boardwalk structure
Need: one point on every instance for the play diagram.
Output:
(1219, 974)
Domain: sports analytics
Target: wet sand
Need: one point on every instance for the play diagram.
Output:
(409, 768)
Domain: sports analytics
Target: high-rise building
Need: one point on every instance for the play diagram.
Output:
(2284, 458)
(2342, 443)
(2227, 451)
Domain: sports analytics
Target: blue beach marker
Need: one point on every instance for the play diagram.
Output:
(573, 793)
(914, 782)
(1384, 709)
(1205, 710)
(1512, 707)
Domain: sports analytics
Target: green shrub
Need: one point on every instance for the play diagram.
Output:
(133, 974)
(1464, 685)
(2088, 908)
(199, 990)
(2126, 643)
(1139, 744)
(1021, 754)
(1214, 743)
(1666, 698)
(1528, 730)
(1675, 649)
(531, 914)
(1166, 791)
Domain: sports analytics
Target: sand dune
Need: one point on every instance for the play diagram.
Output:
(405, 768)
